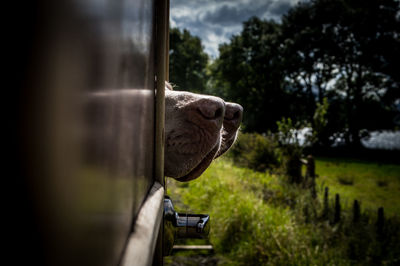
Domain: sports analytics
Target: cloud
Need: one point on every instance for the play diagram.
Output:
(281, 7)
(230, 15)
(215, 21)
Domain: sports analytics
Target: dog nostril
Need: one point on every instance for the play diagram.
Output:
(236, 115)
(233, 113)
(211, 110)
(218, 113)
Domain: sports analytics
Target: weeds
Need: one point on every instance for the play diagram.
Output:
(259, 219)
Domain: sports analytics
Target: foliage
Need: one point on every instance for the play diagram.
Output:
(291, 147)
(259, 220)
(188, 61)
(275, 152)
(288, 132)
(320, 134)
(255, 151)
(248, 72)
(337, 50)
(345, 51)
(327, 41)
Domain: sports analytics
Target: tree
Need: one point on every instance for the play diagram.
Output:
(188, 61)
(307, 66)
(347, 51)
(248, 72)
(347, 42)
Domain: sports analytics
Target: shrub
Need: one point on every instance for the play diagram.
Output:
(256, 151)
(291, 148)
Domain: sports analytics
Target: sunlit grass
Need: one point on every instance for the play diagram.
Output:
(375, 185)
(251, 226)
(259, 219)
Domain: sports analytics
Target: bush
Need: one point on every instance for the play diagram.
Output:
(256, 151)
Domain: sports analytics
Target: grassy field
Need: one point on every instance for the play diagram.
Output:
(236, 199)
(374, 185)
(258, 219)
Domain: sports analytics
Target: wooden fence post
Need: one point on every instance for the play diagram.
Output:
(381, 221)
(293, 168)
(310, 167)
(326, 203)
(356, 211)
(337, 209)
(306, 214)
(310, 175)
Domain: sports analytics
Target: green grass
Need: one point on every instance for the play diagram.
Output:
(375, 185)
(259, 219)
(249, 226)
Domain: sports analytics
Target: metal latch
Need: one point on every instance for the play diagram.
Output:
(182, 225)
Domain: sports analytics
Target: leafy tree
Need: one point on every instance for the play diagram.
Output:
(188, 61)
(307, 66)
(248, 72)
(347, 51)
(346, 41)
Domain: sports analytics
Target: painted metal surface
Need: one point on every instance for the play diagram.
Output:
(86, 130)
(142, 242)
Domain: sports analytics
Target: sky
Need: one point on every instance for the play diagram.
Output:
(215, 21)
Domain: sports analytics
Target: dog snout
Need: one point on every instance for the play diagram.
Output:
(211, 108)
(233, 114)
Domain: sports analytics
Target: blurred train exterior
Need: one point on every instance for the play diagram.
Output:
(86, 149)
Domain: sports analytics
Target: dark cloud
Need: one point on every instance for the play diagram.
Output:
(280, 8)
(215, 21)
(228, 15)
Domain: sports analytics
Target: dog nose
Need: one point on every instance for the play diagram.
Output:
(211, 108)
(233, 114)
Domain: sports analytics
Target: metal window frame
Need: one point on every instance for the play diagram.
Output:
(145, 244)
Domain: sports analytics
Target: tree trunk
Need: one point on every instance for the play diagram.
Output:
(353, 100)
